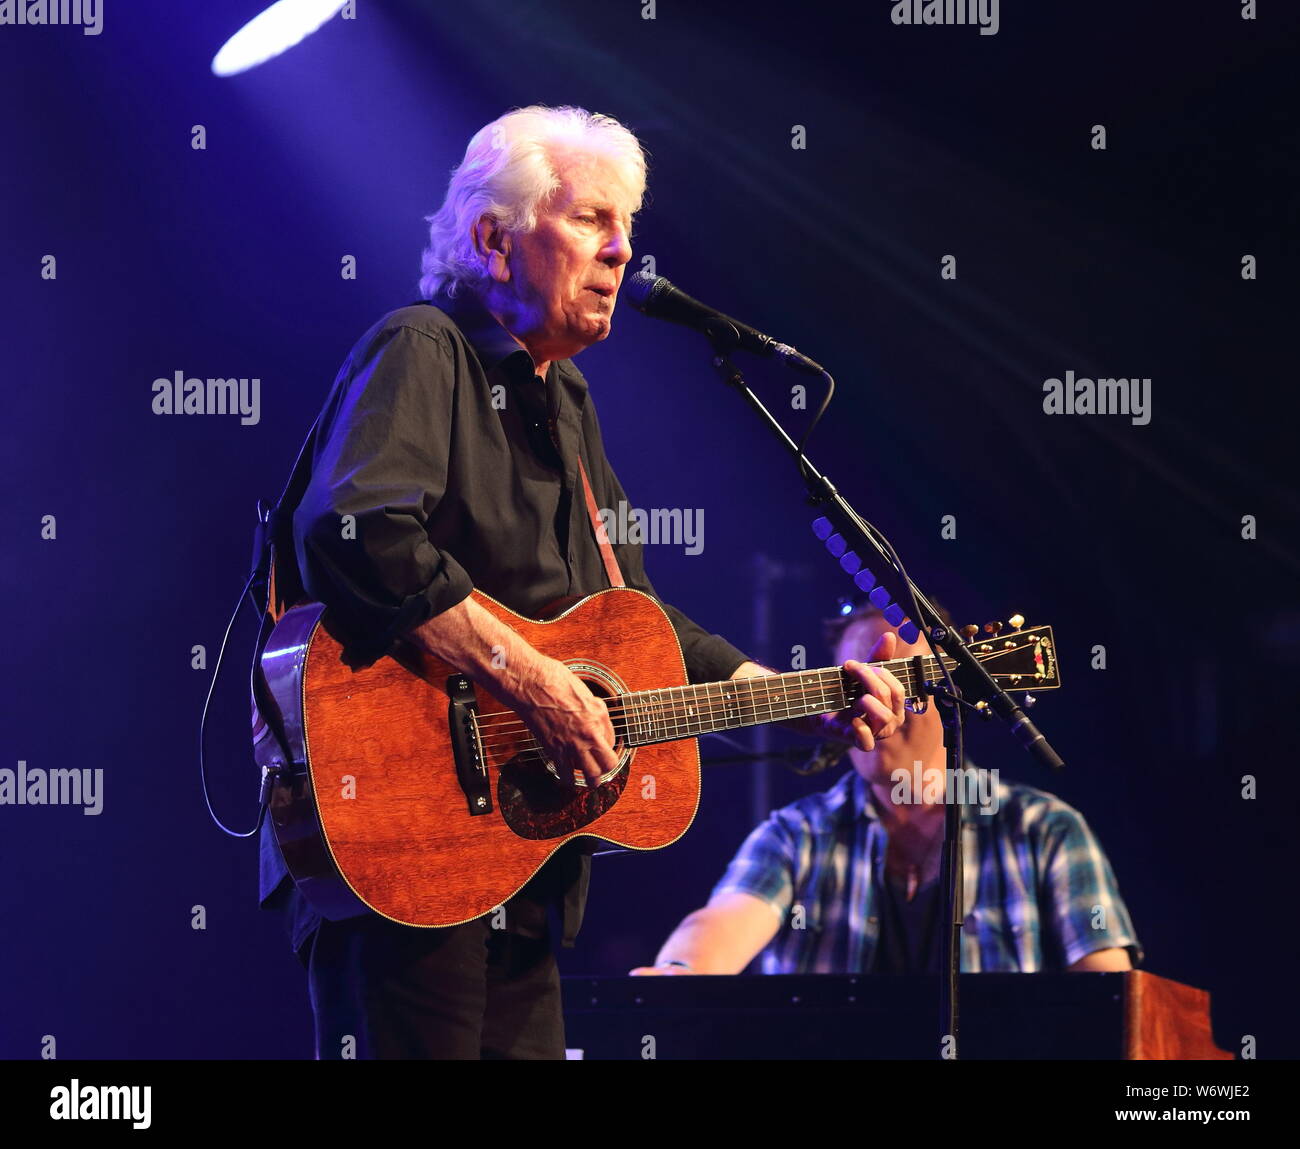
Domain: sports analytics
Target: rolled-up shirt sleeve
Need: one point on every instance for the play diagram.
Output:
(764, 867)
(1078, 884)
(380, 468)
(708, 657)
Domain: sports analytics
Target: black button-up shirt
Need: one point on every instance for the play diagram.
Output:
(435, 441)
(433, 471)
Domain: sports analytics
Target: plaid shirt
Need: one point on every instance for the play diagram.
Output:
(1039, 892)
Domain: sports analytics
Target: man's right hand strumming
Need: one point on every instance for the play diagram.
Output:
(572, 725)
(570, 722)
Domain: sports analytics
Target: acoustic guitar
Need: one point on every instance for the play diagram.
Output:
(406, 788)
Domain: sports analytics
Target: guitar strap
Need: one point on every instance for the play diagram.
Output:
(612, 571)
(602, 536)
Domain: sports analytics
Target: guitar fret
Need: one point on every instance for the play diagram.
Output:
(685, 710)
(669, 712)
(674, 711)
(738, 689)
(688, 710)
(636, 733)
(759, 688)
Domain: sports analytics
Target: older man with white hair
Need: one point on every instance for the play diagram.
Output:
(459, 449)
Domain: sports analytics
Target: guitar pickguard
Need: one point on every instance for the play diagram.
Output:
(536, 806)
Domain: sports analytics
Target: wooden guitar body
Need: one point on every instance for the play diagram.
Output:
(374, 813)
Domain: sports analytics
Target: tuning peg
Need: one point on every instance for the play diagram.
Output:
(994, 628)
(969, 633)
(1030, 700)
(1016, 621)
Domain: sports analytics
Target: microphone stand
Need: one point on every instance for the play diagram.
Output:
(975, 681)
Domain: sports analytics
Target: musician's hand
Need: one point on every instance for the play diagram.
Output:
(660, 971)
(879, 712)
(570, 722)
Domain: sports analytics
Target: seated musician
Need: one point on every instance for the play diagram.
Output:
(847, 880)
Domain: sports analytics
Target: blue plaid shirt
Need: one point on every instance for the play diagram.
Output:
(1039, 892)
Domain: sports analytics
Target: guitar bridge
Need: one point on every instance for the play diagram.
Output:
(467, 750)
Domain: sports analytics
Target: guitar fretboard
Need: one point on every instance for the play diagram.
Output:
(649, 716)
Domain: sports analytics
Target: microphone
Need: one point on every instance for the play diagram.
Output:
(655, 296)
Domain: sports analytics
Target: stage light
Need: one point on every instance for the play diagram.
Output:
(271, 32)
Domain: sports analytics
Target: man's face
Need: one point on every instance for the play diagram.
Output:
(564, 275)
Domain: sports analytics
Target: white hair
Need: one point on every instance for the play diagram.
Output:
(508, 172)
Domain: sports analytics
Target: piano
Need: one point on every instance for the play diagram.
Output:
(1084, 1016)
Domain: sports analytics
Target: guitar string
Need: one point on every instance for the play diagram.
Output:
(631, 724)
(903, 673)
(678, 708)
(691, 707)
(527, 750)
(693, 702)
(673, 722)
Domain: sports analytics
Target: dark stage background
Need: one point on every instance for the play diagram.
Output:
(921, 143)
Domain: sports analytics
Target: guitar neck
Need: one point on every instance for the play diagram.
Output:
(650, 716)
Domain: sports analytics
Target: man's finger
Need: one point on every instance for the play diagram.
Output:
(885, 647)
(862, 735)
(871, 685)
(897, 695)
(880, 718)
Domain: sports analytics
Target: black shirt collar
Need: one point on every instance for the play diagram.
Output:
(496, 347)
(492, 342)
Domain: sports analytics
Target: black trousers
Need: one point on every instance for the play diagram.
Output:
(380, 990)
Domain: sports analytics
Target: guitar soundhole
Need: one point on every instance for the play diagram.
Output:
(537, 805)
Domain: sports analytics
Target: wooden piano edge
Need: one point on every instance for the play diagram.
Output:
(1167, 1021)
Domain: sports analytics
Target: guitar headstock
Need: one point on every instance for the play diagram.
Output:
(1018, 659)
